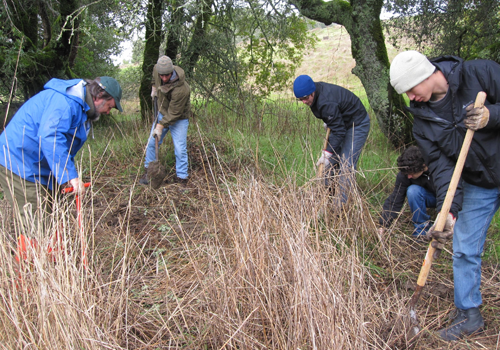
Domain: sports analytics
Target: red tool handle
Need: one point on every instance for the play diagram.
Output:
(70, 189)
(82, 237)
(79, 219)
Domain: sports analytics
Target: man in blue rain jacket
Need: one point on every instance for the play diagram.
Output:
(38, 146)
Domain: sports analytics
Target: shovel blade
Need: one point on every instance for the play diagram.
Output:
(156, 174)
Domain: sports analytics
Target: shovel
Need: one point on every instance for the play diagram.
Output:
(156, 171)
(445, 209)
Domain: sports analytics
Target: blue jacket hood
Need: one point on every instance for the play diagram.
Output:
(62, 87)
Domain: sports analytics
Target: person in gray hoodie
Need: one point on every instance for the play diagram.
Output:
(413, 182)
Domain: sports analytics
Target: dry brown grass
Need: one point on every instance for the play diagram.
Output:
(230, 262)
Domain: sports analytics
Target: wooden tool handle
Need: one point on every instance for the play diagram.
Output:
(450, 194)
(321, 167)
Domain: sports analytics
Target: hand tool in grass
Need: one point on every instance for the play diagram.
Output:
(321, 167)
(83, 242)
(25, 244)
(445, 209)
(156, 171)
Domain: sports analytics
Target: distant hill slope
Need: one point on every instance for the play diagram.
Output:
(332, 61)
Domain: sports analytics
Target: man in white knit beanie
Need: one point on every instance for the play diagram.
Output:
(442, 92)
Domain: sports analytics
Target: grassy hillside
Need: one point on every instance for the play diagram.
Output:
(332, 61)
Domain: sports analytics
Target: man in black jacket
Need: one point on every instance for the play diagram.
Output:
(413, 182)
(442, 94)
(348, 120)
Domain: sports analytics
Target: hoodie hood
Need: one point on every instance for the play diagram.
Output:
(451, 67)
(73, 89)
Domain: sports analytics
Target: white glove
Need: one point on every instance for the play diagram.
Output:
(78, 186)
(325, 158)
(153, 92)
(158, 131)
(325, 126)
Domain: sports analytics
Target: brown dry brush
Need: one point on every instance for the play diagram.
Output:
(284, 278)
(258, 266)
(233, 261)
(49, 300)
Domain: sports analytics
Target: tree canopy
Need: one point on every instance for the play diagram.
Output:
(227, 48)
(43, 39)
(466, 28)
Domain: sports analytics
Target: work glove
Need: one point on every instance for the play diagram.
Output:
(441, 237)
(153, 92)
(325, 126)
(476, 118)
(325, 158)
(78, 186)
(158, 131)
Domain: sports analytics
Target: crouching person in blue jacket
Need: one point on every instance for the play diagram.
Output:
(38, 146)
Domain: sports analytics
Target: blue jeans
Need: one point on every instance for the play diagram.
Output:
(478, 208)
(178, 130)
(347, 160)
(419, 199)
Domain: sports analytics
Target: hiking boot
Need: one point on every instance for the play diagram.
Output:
(182, 182)
(466, 322)
(144, 180)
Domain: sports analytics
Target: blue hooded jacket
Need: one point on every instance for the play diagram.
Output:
(41, 140)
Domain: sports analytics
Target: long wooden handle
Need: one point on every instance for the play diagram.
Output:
(321, 167)
(450, 194)
(156, 148)
(155, 107)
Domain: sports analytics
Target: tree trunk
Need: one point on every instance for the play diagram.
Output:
(66, 45)
(151, 51)
(361, 18)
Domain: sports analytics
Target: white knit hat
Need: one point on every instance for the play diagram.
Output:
(164, 65)
(408, 69)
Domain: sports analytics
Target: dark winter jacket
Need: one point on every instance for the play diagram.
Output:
(340, 109)
(441, 140)
(173, 97)
(394, 203)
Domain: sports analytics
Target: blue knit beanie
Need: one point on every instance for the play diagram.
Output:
(303, 86)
